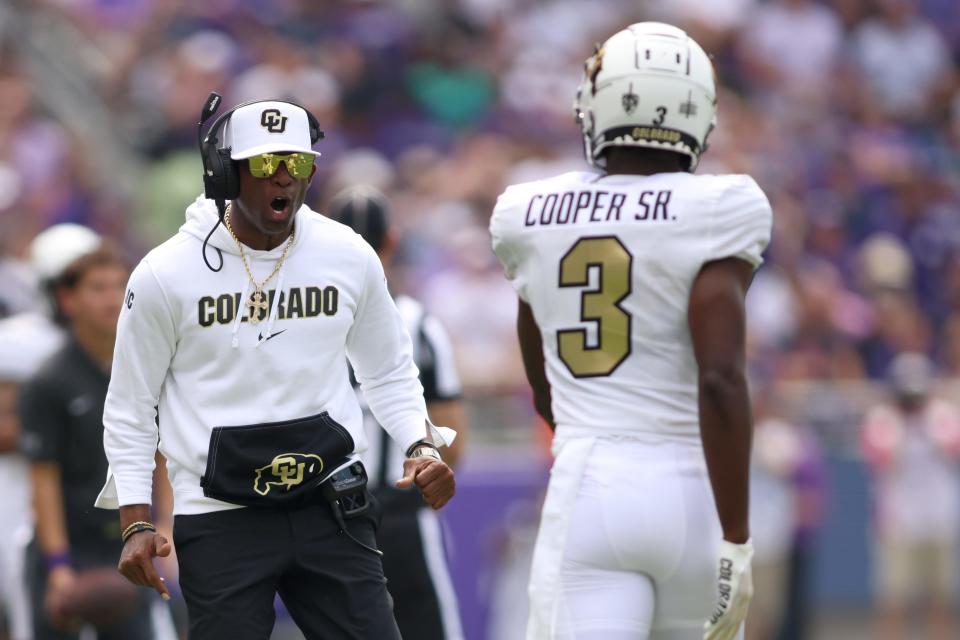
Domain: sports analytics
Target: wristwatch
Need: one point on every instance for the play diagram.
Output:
(423, 450)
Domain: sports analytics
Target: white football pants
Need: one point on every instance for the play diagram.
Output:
(638, 558)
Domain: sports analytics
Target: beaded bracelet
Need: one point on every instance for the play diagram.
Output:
(136, 527)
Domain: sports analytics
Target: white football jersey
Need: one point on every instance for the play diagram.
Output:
(607, 263)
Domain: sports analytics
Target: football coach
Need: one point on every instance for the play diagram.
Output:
(231, 357)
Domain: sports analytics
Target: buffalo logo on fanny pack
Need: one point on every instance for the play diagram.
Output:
(287, 470)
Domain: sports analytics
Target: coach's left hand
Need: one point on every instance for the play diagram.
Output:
(136, 560)
(433, 477)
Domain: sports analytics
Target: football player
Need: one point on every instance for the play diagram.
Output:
(631, 322)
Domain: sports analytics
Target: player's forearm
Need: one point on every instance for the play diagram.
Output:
(543, 403)
(531, 350)
(726, 430)
(48, 508)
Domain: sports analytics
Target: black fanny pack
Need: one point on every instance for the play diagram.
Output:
(275, 463)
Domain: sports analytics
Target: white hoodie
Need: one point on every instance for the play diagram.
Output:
(182, 347)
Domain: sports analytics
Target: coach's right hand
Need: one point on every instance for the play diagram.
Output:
(734, 591)
(136, 560)
(432, 476)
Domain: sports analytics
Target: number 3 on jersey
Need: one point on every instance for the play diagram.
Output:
(600, 305)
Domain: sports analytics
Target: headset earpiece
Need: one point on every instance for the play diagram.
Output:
(316, 135)
(229, 185)
(221, 179)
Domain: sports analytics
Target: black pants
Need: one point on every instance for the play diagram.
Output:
(416, 601)
(233, 563)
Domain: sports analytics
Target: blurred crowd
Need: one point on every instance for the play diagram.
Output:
(847, 112)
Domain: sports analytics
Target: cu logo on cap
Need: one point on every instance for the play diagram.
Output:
(272, 121)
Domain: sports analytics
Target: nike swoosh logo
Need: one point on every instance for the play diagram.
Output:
(272, 335)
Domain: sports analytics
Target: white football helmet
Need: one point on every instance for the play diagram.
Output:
(650, 85)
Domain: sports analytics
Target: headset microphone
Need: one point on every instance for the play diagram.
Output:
(209, 108)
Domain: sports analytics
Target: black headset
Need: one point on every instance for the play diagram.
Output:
(221, 173)
(221, 177)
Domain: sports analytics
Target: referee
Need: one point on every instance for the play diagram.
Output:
(414, 561)
(239, 329)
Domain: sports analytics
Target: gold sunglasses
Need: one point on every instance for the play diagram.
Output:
(265, 165)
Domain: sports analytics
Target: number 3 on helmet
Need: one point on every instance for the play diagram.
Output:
(650, 85)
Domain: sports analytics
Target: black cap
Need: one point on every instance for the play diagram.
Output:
(365, 210)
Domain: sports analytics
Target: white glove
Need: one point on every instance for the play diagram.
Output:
(735, 588)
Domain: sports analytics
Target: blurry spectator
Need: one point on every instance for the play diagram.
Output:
(19, 291)
(448, 85)
(169, 86)
(885, 264)
(24, 345)
(52, 251)
(711, 24)
(376, 171)
(288, 73)
(791, 46)
(951, 346)
(899, 325)
(172, 83)
(776, 451)
(809, 492)
(831, 318)
(912, 444)
(850, 12)
(786, 496)
(487, 357)
(903, 58)
(61, 412)
(772, 307)
(46, 186)
(945, 16)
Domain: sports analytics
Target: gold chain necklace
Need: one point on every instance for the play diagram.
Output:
(258, 299)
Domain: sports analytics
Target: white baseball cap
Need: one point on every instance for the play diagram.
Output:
(268, 127)
(57, 247)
